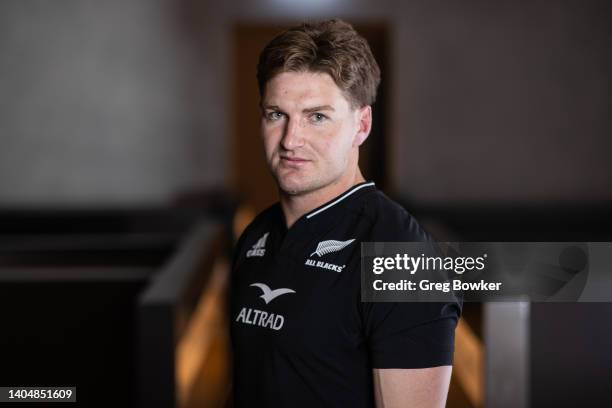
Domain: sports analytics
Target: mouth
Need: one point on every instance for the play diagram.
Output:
(293, 161)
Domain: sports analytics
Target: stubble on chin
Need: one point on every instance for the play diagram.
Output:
(299, 188)
(297, 184)
(292, 187)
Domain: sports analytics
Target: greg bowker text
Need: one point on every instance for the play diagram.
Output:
(426, 285)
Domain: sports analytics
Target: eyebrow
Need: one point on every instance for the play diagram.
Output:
(307, 110)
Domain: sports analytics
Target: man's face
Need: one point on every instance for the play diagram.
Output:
(310, 132)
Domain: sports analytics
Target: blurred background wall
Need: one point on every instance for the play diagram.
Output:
(114, 102)
(102, 104)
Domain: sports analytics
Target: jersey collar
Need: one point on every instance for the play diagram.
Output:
(339, 199)
(320, 216)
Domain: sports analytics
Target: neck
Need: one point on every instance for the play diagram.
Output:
(294, 206)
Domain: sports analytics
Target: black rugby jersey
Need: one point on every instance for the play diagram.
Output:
(301, 337)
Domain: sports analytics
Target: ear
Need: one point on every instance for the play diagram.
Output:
(364, 124)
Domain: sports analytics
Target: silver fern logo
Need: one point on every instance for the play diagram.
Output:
(331, 245)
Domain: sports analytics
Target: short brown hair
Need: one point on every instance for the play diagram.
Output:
(332, 47)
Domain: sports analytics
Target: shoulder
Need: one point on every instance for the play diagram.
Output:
(390, 221)
(260, 224)
(255, 230)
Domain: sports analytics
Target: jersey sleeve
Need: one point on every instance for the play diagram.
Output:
(236, 250)
(408, 334)
(236, 253)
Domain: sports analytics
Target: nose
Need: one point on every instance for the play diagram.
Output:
(293, 137)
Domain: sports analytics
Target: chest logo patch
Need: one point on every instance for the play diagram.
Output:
(331, 245)
(328, 247)
(259, 249)
(269, 294)
(263, 318)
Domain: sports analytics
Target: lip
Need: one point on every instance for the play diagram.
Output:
(293, 161)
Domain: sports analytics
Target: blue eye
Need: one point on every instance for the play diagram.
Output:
(318, 117)
(275, 115)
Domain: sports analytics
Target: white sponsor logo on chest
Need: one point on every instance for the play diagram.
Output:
(262, 318)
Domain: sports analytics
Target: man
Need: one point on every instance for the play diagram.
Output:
(300, 334)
